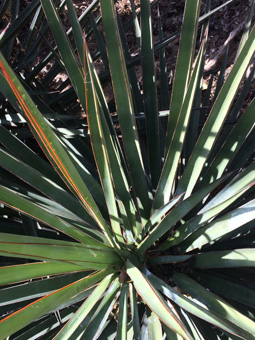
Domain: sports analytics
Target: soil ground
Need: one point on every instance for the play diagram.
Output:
(226, 28)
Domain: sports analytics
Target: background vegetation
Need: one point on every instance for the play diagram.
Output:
(127, 204)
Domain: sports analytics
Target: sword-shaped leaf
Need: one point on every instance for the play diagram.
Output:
(65, 48)
(98, 320)
(27, 156)
(99, 147)
(34, 289)
(243, 128)
(134, 312)
(153, 299)
(150, 92)
(216, 118)
(123, 313)
(189, 305)
(16, 321)
(173, 153)
(88, 257)
(54, 149)
(17, 202)
(233, 289)
(226, 258)
(160, 213)
(244, 325)
(220, 227)
(202, 217)
(28, 271)
(69, 328)
(174, 216)
(151, 326)
(124, 105)
(39, 181)
(184, 64)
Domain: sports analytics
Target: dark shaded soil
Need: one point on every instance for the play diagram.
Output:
(229, 19)
(226, 26)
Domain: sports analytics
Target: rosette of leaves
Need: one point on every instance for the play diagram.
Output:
(124, 224)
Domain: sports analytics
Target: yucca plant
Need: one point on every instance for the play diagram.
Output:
(123, 224)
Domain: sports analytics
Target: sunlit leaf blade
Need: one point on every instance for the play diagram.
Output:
(134, 312)
(240, 182)
(151, 326)
(128, 235)
(16, 201)
(78, 332)
(171, 334)
(220, 227)
(174, 216)
(188, 304)
(184, 64)
(23, 293)
(53, 148)
(69, 328)
(154, 326)
(244, 326)
(46, 327)
(26, 315)
(232, 145)
(113, 149)
(61, 251)
(203, 216)
(43, 184)
(171, 163)
(205, 330)
(78, 222)
(150, 92)
(226, 259)
(97, 323)
(242, 158)
(28, 271)
(123, 313)
(215, 119)
(124, 104)
(158, 214)
(188, 322)
(156, 303)
(100, 148)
